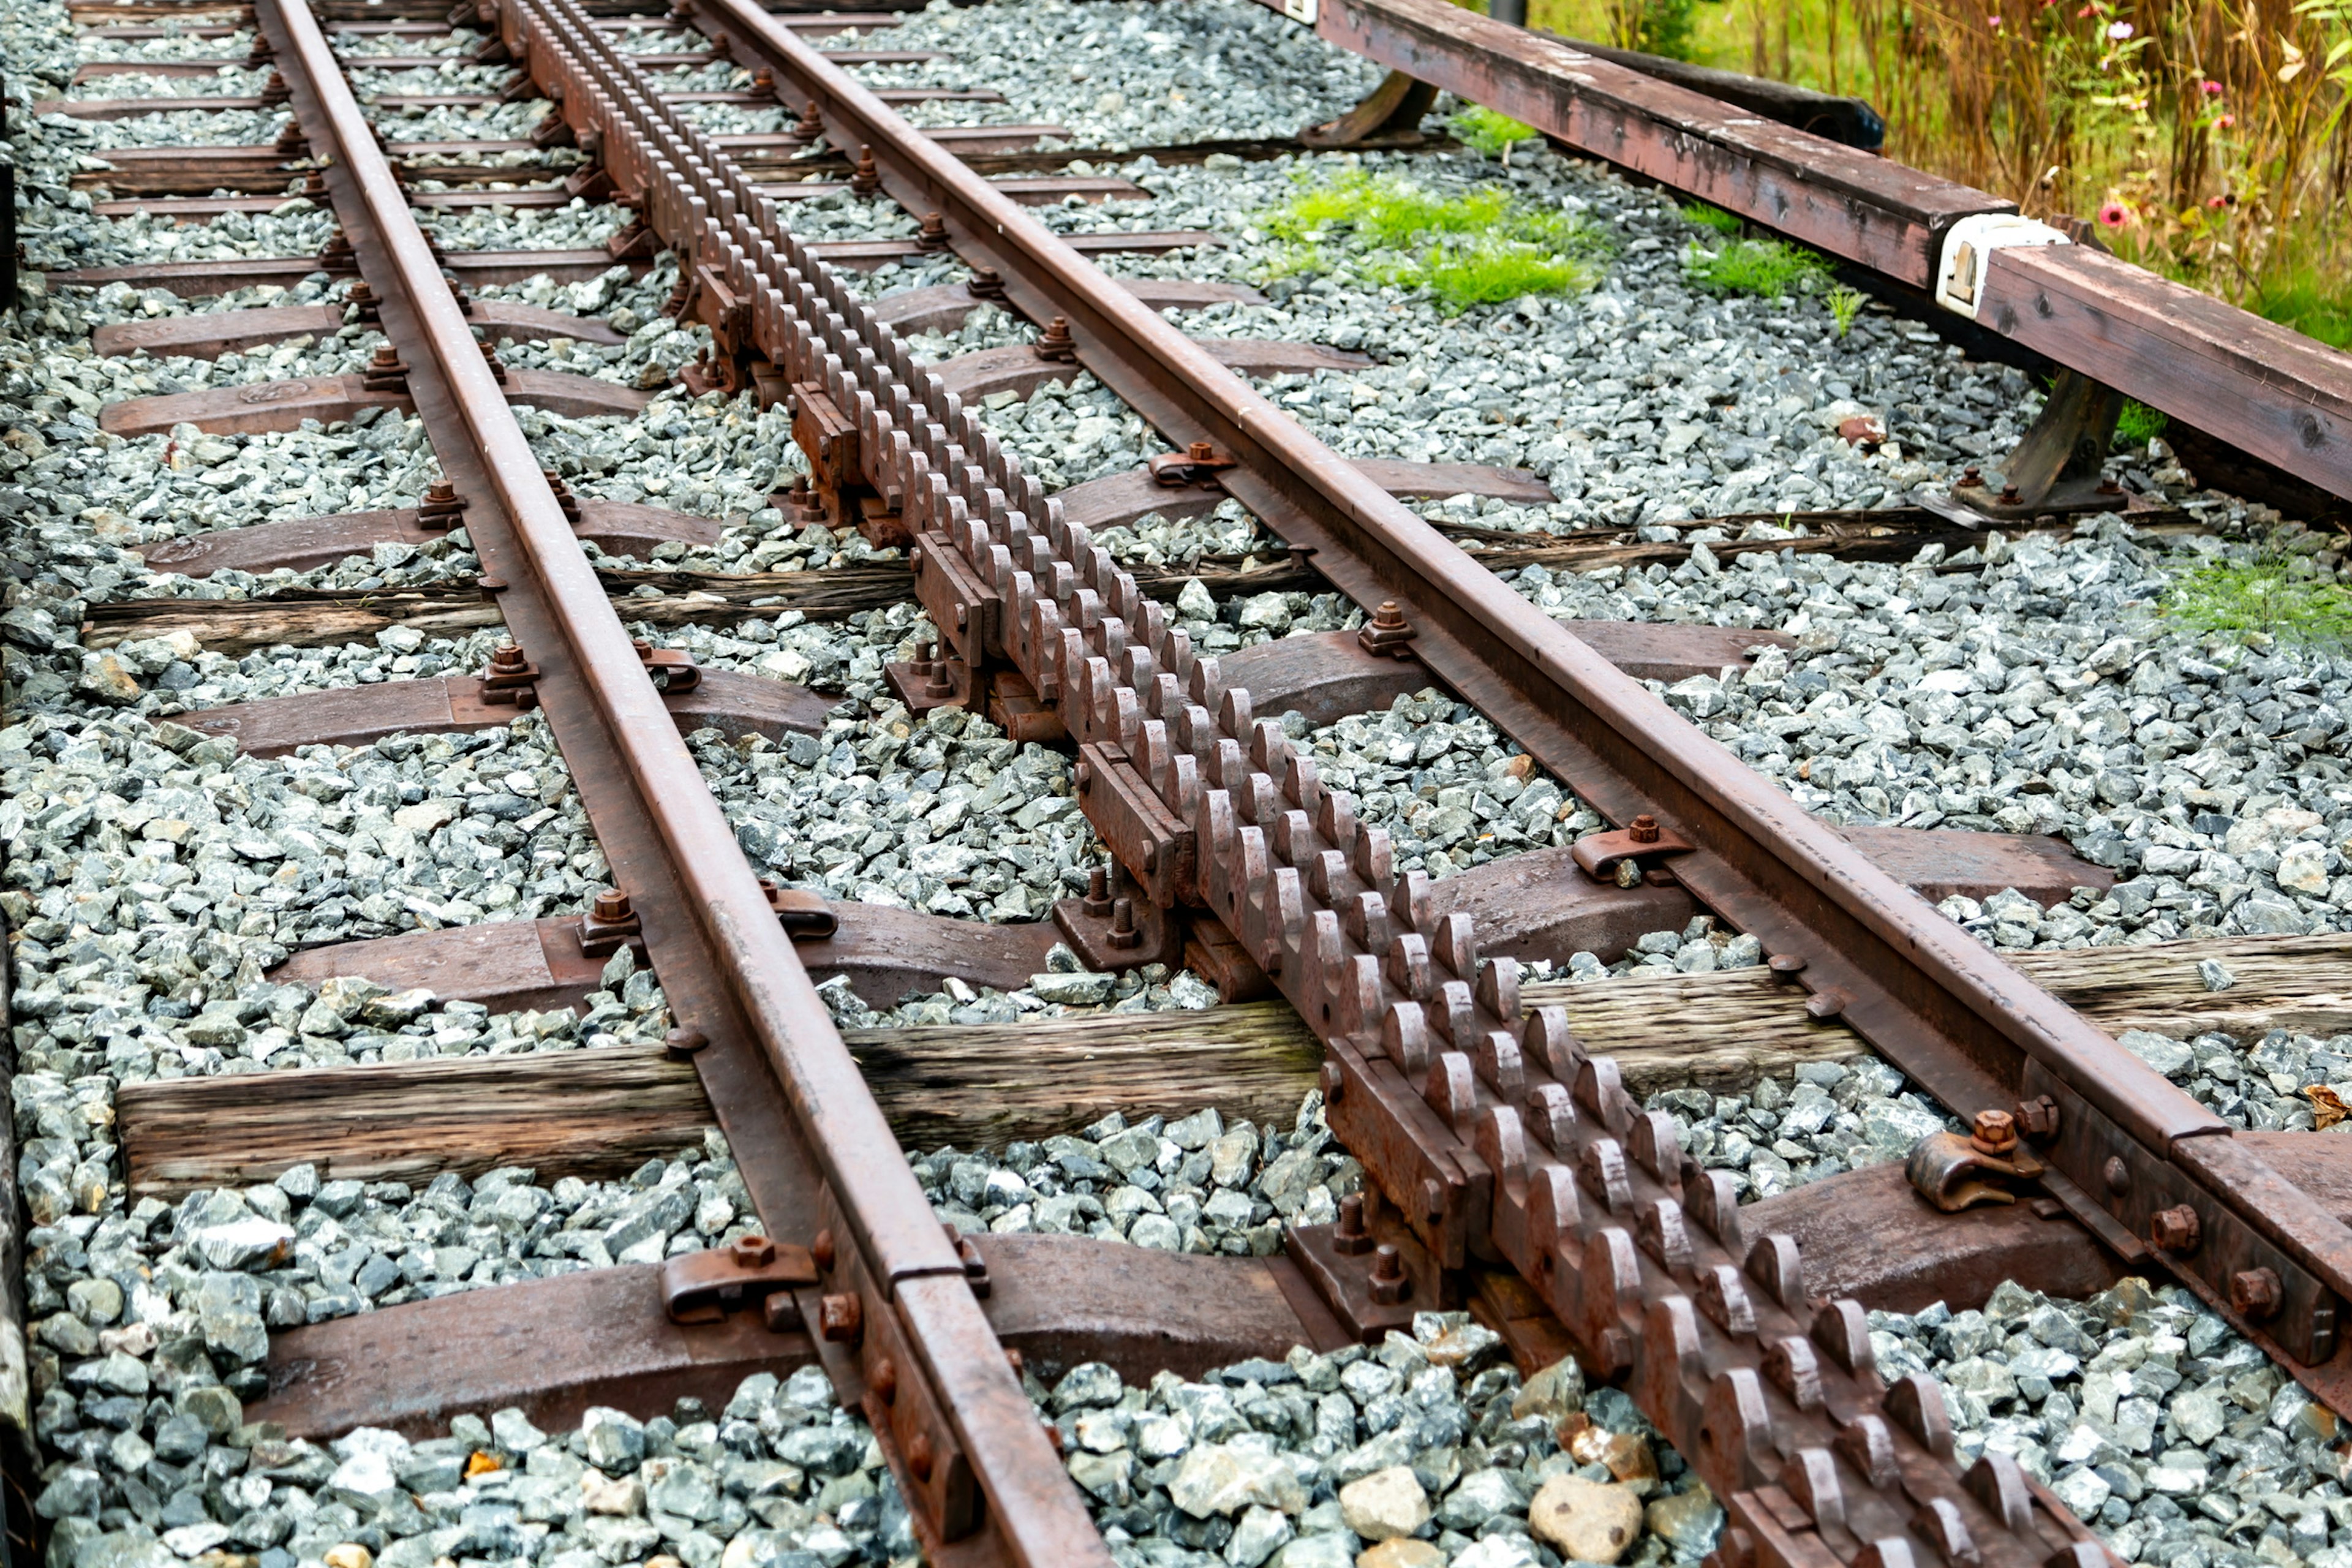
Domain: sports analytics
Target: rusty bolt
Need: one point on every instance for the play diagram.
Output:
(2174, 1229)
(2109, 488)
(754, 1251)
(1391, 1284)
(1084, 773)
(867, 179)
(1056, 342)
(1971, 479)
(810, 125)
(612, 904)
(820, 1249)
(1123, 931)
(1786, 965)
(1351, 1237)
(985, 284)
(491, 583)
(933, 234)
(684, 1042)
(2008, 495)
(763, 81)
(2117, 1174)
(919, 1455)
(1387, 616)
(1201, 451)
(2255, 1293)
(1097, 901)
(506, 658)
(440, 493)
(884, 1380)
(940, 682)
(1994, 1133)
(1644, 829)
(387, 358)
(2038, 1117)
(841, 1319)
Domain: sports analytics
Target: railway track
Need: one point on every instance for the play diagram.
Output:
(1506, 1171)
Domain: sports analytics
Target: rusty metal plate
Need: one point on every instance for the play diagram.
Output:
(705, 1287)
(574, 396)
(551, 1348)
(298, 544)
(248, 410)
(631, 527)
(213, 334)
(1018, 369)
(1938, 863)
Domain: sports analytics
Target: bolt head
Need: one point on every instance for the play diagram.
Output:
(1995, 1132)
(841, 1319)
(2174, 1229)
(820, 1249)
(685, 1042)
(611, 905)
(2117, 1174)
(919, 1455)
(884, 1380)
(2255, 1293)
(1201, 451)
(754, 1251)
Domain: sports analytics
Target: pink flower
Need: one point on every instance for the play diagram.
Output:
(2226, 121)
(2119, 31)
(2114, 214)
(2214, 202)
(2211, 89)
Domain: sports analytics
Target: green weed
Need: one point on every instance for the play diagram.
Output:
(1845, 302)
(1765, 266)
(2280, 596)
(2137, 424)
(1490, 271)
(1489, 132)
(1714, 218)
(2313, 306)
(1476, 248)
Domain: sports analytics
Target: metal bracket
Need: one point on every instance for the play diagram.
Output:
(1391, 113)
(2058, 466)
(1969, 246)
(1116, 927)
(1603, 857)
(703, 1287)
(805, 916)
(1198, 464)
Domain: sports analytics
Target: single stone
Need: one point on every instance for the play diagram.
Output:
(1085, 990)
(1215, 1479)
(1401, 1552)
(1584, 1520)
(1689, 1521)
(1257, 1536)
(1385, 1503)
(2200, 1414)
(1556, 1392)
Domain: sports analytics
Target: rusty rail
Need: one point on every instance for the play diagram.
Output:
(967, 1447)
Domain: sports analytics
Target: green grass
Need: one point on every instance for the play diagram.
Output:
(1480, 248)
(2137, 424)
(1714, 218)
(1489, 132)
(1765, 266)
(2280, 597)
(2310, 305)
(1845, 303)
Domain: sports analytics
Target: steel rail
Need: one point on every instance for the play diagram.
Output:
(964, 1442)
(2260, 386)
(1772, 1395)
(1931, 998)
